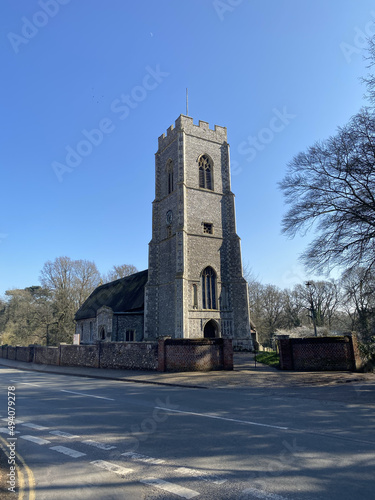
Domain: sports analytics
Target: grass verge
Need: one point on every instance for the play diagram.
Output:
(269, 358)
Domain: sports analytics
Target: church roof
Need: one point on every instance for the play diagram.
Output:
(122, 295)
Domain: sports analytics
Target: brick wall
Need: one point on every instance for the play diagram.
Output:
(319, 353)
(165, 355)
(195, 355)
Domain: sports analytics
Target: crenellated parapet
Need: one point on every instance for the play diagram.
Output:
(202, 130)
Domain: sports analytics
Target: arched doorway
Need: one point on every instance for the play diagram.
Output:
(210, 330)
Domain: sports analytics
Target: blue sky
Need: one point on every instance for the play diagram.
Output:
(279, 74)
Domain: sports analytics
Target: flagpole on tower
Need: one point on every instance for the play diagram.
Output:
(187, 103)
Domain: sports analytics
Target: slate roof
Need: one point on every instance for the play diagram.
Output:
(122, 295)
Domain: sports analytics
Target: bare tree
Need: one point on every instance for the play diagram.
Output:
(119, 272)
(71, 282)
(321, 299)
(331, 187)
(359, 298)
(369, 80)
(293, 309)
(266, 309)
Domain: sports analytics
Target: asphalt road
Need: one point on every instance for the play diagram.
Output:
(82, 438)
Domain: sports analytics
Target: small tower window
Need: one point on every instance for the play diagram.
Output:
(208, 228)
(170, 176)
(205, 172)
(209, 288)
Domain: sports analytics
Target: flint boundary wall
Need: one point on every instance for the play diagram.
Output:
(319, 353)
(165, 355)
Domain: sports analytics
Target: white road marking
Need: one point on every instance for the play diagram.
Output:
(25, 383)
(117, 469)
(263, 495)
(35, 426)
(101, 446)
(35, 439)
(207, 415)
(16, 420)
(64, 434)
(87, 395)
(68, 451)
(198, 474)
(5, 430)
(170, 487)
(143, 458)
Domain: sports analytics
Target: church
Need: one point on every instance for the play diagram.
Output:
(194, 286)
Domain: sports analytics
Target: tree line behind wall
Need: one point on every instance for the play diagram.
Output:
(44, 314)
(336, 306)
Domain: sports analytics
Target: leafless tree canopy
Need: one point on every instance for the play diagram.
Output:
(119, 272)
(46, 314)
(331, 187)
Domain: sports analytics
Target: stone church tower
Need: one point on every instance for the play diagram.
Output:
(195, 282)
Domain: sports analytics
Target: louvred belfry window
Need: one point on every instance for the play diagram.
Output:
(205, 172)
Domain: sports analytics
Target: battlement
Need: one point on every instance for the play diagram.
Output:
(202, 130)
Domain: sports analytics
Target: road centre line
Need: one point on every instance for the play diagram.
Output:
(25, 383)
(35, 439)
(170, 487)
(87, 395)
(198, 474)
(263, 495)
(207, 415)
(117, 469)
(5, 430)
(64, 434)
(16, 420)
(143, 458)
(68, 451)
(96, 444)
(35, 426)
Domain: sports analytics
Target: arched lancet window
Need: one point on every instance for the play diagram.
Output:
(209, 288)
(102, 333)
(170, 176)
(195, 297)
(205, 172)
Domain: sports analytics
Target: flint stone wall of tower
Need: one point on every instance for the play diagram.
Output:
(180, 251)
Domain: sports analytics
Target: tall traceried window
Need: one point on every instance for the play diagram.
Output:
(170, 176)
(205, 172)
(209, 288)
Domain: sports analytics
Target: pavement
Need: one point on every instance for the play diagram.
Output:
(246, 374)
